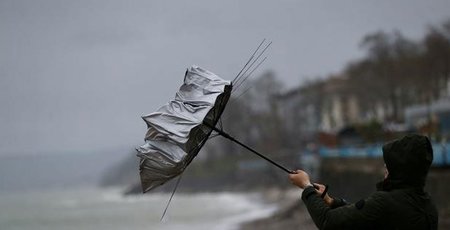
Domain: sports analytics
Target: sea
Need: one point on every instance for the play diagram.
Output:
(107, 209)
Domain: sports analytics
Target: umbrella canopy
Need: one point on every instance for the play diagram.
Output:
(177, 131)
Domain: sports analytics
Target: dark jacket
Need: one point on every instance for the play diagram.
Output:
(399, 203)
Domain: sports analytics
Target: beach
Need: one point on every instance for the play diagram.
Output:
(290, 214)
(108, 209)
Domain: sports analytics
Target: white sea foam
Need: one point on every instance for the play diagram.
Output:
(108, 209)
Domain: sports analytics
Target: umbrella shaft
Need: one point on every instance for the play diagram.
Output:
(226, 135)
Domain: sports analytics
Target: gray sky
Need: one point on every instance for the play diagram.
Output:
(75, 76)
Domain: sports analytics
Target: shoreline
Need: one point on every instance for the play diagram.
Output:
(290, 214)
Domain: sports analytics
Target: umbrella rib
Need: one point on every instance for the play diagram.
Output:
(220, 124)
(215, 115)
(254, 61)
(249, 60)
(244, 79)
(171, 196)
(246, 90)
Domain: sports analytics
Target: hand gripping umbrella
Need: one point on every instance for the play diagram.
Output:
(178, 130)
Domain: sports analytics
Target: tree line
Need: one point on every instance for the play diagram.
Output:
(395, 72)
(401, 72)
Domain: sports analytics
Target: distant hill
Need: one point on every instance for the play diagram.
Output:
(123, 173)
(61, 170)
(219, 173)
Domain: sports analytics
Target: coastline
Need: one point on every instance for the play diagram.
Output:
(291, 213)
(276, 208)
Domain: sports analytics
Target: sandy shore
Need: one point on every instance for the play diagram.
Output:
(292, 213)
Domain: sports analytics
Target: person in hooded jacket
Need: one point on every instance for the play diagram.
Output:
(400, 201)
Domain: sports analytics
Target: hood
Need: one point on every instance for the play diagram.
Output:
(408, 160)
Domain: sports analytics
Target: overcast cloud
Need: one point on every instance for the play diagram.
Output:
(75, 76)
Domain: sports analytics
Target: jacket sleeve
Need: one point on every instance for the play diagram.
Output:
(362, 215)
(338, 202)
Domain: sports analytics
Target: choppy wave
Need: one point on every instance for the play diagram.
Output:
(108, 209)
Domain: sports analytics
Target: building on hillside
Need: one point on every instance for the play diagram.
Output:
(300, 110)
(323, 106)
(329, 112)
(340, 105)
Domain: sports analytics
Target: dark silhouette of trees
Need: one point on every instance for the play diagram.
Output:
(398, 72)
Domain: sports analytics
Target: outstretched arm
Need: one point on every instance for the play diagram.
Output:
(364, 214)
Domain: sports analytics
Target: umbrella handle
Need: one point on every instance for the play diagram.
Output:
(226, 135)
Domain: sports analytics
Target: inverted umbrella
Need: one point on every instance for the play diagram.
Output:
(178, 130)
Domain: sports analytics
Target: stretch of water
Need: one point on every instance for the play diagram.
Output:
(107, 209)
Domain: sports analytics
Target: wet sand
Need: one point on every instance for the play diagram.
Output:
(292, 213)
